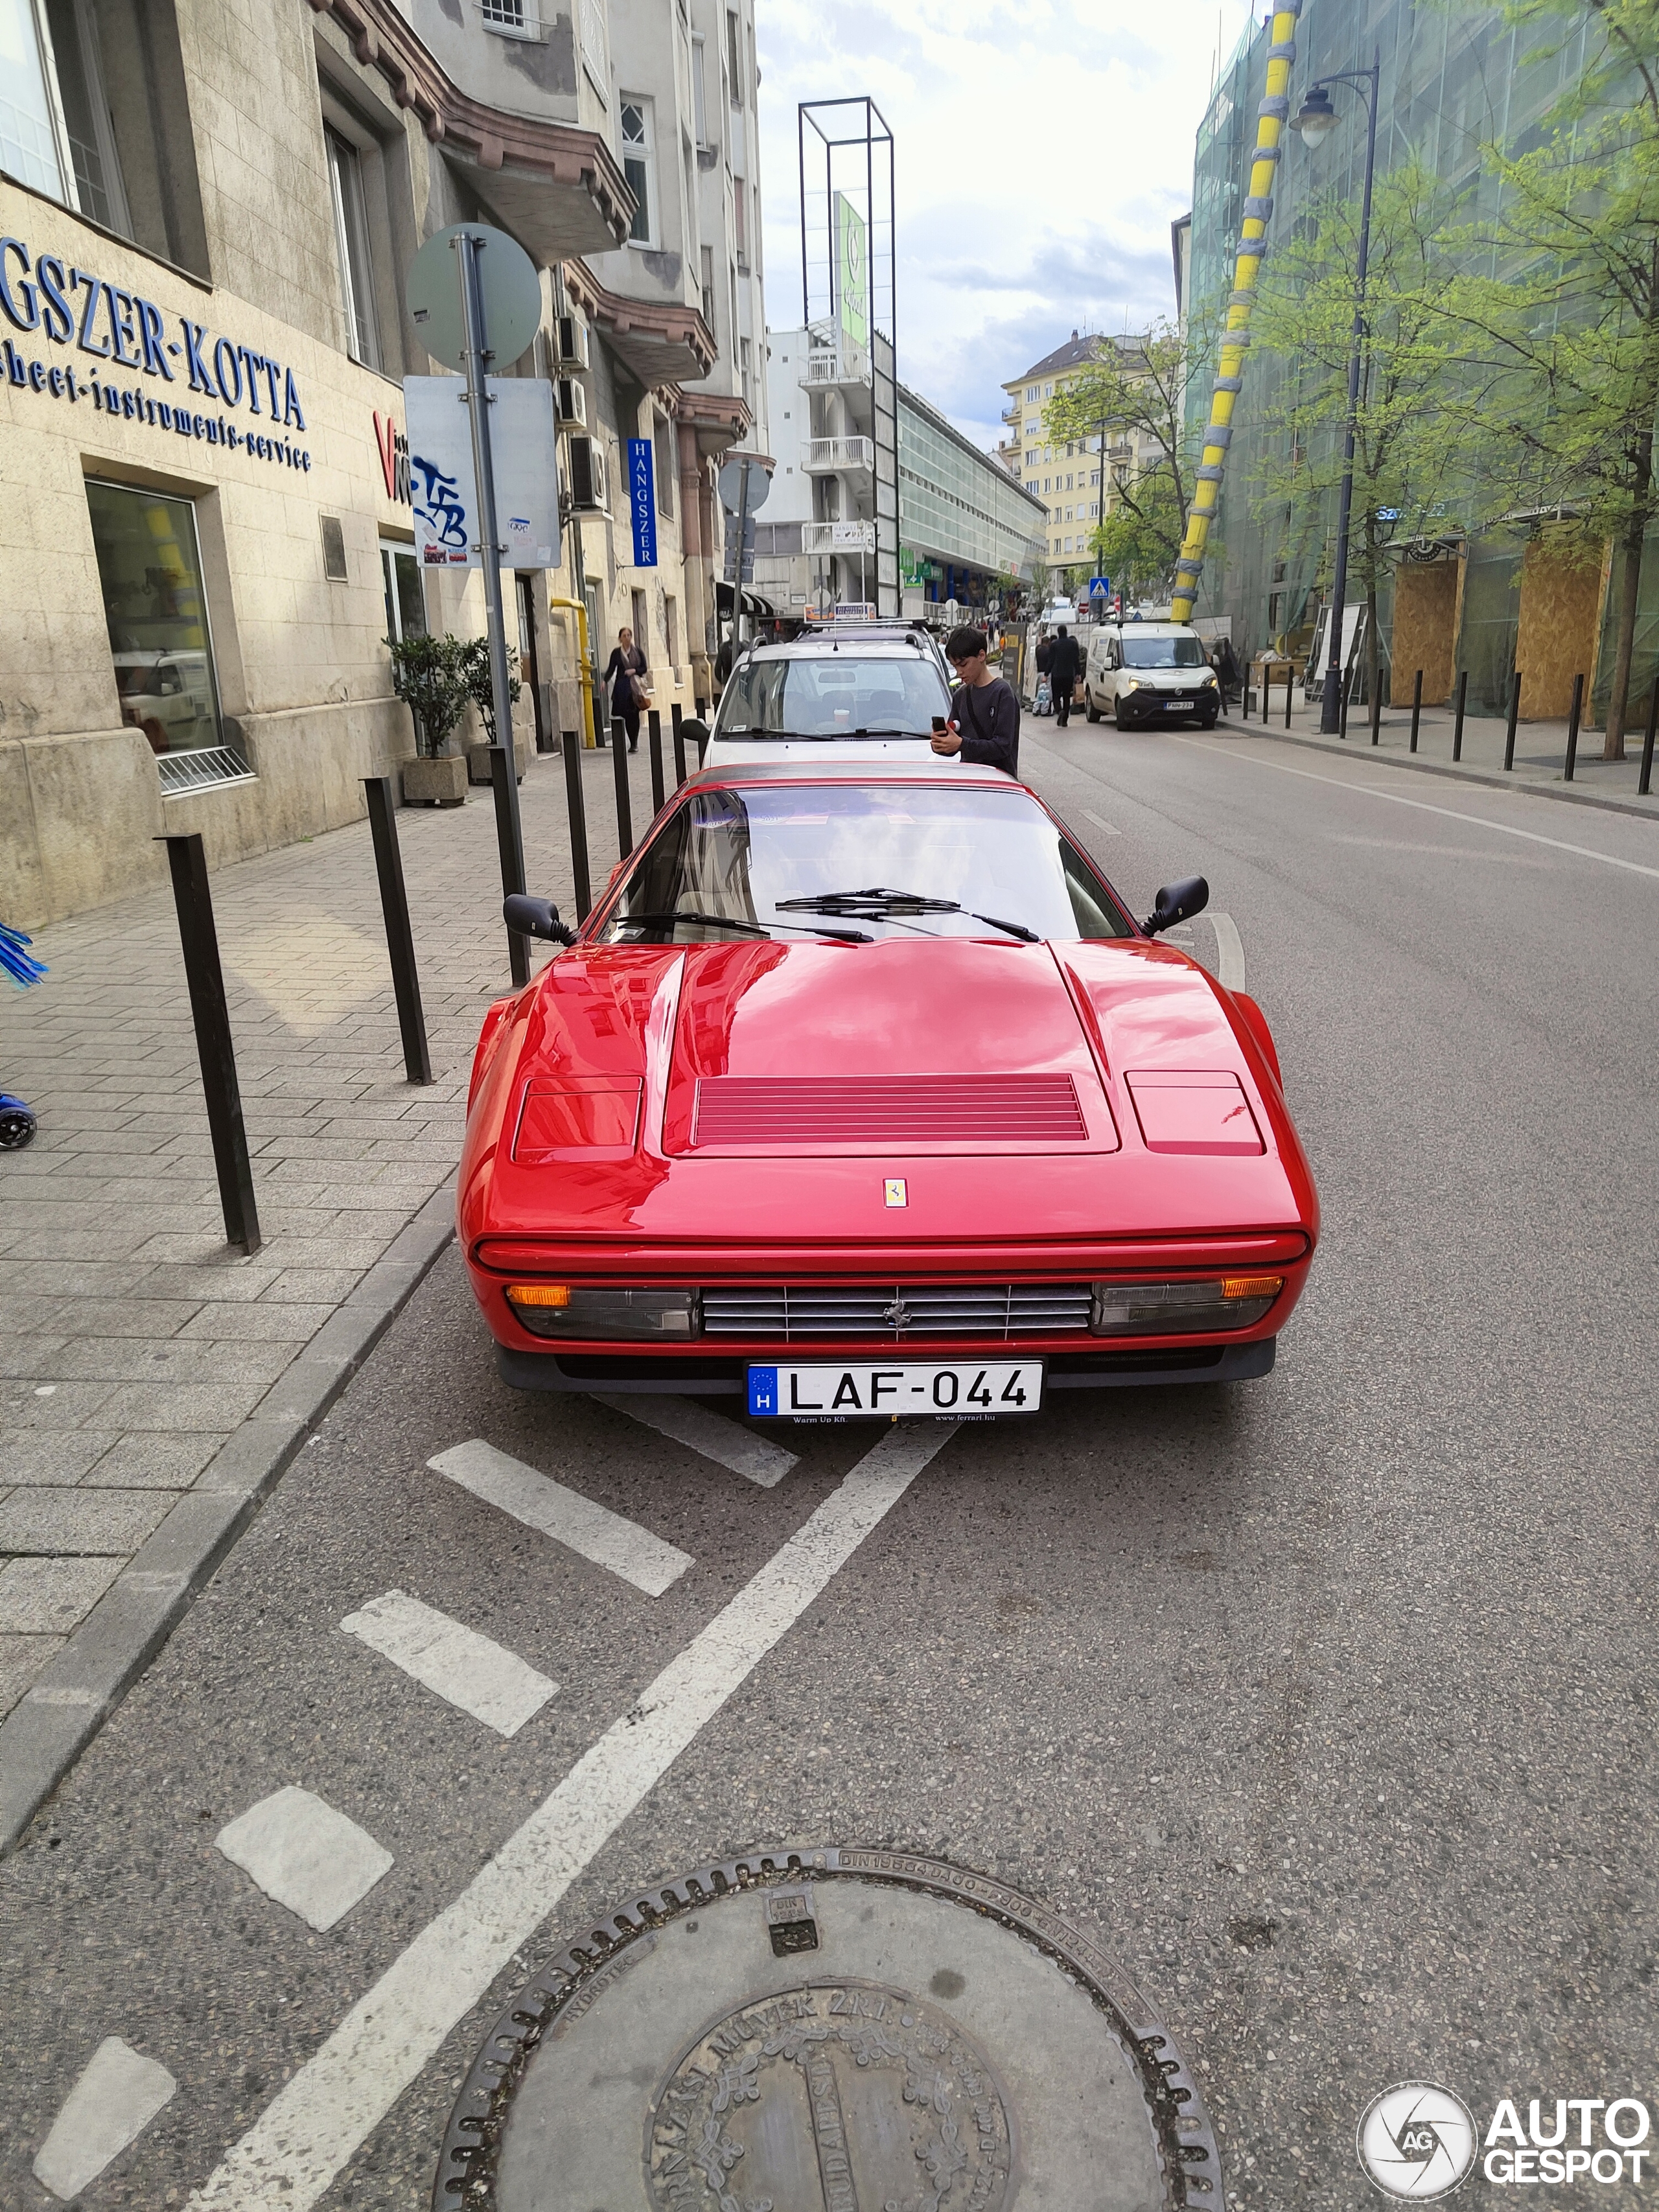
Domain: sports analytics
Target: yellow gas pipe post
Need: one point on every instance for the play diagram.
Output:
(575, 607)
(1272, 117)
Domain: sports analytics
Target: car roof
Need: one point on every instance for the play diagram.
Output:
(1155, 629)
(826, 645)
(836, 769)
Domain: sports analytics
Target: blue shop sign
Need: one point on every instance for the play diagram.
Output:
(71, 306)
(643, 497)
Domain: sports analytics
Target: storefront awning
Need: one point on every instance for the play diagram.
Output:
(753, 604)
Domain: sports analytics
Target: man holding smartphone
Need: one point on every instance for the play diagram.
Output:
(984, 724)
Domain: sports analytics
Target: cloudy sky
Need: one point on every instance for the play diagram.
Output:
(1041, 151)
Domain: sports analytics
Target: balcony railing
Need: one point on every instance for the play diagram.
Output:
(826, 456)
(838, 537)
(1012, 414)
(198, 769)
(827, 371)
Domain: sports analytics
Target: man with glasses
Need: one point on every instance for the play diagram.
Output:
(984, 724)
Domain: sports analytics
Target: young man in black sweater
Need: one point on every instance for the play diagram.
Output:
(984, 724)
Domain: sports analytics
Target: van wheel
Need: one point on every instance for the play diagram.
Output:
(1089, 706)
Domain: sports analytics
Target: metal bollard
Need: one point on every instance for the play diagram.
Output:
(1645, 778)
(1347, 693)
(214, 1048)
(512, 852)
(399, 939)
(1417, 708)
(625, 807)
(1514, 716)
(679, 745)
(1573, 728)
(1457, 725)
(653, 732)
(1244, 697)
(577, 805)
(1376, 707)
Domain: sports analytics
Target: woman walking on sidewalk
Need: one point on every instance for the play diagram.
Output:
(625, 674)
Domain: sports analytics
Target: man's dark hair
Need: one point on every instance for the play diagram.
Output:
(963, 644)
(1062, 631)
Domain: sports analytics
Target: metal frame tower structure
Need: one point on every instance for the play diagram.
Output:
(846, 146)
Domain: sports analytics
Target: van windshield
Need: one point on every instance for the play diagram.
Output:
(1162, 652)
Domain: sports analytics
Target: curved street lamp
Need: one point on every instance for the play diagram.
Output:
(1315, 122)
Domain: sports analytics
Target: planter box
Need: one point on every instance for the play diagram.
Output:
(477, 757)
(435, 782)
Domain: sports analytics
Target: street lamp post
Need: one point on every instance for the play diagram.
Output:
(1316, 121)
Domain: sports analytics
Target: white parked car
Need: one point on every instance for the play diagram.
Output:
(1144, 672)
(879, 686)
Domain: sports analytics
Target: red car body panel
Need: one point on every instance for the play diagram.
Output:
(594, 1150)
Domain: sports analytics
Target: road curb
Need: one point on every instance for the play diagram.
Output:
(77, 1692)
(1443, 768)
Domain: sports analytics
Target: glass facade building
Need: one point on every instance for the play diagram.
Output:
(962, 519)
(1452, 81)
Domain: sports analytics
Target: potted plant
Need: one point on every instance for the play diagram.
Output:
(475, 663)
(428, 675)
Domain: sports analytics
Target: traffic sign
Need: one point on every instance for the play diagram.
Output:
(507, 280)
(1100, 587)
(734, 472)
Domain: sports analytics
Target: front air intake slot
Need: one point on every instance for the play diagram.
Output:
(900, 1110)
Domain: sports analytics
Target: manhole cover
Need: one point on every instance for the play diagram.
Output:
(832, 2030)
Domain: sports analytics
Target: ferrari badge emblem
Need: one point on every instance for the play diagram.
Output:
(893, 1191)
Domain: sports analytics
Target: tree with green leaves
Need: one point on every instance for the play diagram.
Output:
(1131, 393)
(1419, 405)
(1569, 314)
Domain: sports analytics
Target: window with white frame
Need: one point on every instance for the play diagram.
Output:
(708, 267)
(508, 16)
(733, 58)
(699, 89)
(351, 245)
(56, 131)
(639, 166)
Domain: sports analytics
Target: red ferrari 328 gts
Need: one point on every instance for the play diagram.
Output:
(859, 1093)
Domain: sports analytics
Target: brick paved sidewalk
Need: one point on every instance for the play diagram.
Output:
(1539, 749)
(133, 1341)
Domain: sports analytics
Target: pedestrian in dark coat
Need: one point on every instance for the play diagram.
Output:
(1067, 666)
(624, 672)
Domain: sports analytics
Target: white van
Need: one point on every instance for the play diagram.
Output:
(1141, 672)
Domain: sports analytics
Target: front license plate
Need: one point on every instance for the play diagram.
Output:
(1176, 706)
(830, 1392)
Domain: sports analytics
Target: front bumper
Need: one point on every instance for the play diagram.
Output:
(1143, 707)
(725, 1375)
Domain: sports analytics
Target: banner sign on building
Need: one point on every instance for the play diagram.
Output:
(642, 499)
(852, 275)
(523, 447)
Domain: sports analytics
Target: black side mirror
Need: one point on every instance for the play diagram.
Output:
(1177, 902)
(695, 731)
(535, 917)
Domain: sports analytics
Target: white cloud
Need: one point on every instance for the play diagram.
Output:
(1041, 155)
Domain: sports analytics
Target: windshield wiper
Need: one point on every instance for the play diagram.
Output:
(1014, 928)
(729, 921)
(878, 903)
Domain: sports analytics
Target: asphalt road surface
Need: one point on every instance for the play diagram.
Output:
(1325, 1703)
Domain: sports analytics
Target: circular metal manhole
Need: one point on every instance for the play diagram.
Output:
(831, 2030)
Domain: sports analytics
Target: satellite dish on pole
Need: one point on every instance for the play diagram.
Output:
(512, 293)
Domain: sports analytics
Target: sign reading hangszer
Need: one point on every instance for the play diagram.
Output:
(70, 306)
(642, 500)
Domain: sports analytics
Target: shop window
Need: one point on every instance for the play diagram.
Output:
(405, 604)
(149, 564)
(351, 246)
(638, 161)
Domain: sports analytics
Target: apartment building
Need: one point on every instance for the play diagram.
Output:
(205, 217)
(1064, 474)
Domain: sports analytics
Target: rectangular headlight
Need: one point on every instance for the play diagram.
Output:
(1170, 1309)
(577, 1309)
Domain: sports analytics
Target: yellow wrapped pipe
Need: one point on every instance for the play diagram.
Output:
(1271, 119)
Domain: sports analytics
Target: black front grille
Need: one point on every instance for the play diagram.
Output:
(795, 1313)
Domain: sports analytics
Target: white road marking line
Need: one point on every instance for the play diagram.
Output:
(459, 1665)
(311, 2128)
(118, 2094)
(728, 1444)
(1422, 806)
(1229, 951)
(304, 1855)
(1110, 828)
(565, 1515)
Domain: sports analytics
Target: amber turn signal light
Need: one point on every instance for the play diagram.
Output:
(1251, 1286)
(539, 1294)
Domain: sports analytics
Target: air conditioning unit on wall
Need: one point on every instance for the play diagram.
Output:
(572, 402)
(586, 473)
(573, 342)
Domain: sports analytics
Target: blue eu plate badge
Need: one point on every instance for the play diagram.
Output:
(764, 1390)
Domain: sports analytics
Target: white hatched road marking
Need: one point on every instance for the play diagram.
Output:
(1425, 806)
(314, 2125)
(728, 1444)
(1229, 950)
(304, 1855)
(459, 1665)
(118, 2094)
(1110, 828)
(570, 1519)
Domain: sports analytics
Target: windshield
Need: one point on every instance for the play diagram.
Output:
(876, 861)
(1162, 652)
(833, 696)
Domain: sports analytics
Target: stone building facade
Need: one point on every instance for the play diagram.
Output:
(205, 215)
